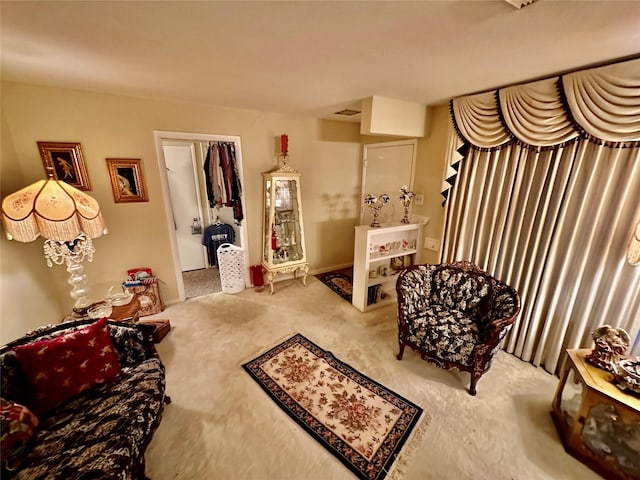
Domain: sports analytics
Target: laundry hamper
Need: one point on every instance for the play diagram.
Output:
(231, 265)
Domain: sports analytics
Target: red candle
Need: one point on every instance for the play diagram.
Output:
(284, 143)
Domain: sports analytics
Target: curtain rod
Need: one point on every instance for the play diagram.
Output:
(557, 74)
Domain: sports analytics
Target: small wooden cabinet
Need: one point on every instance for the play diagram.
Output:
(598, 423)
(283, 229)
(379, 255)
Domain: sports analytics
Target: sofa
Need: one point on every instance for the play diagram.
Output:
(80, 400)
(454, 315)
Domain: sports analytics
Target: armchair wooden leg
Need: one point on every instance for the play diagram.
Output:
(401, 352)
(472, 386)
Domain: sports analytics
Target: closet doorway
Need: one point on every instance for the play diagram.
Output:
(190, 218)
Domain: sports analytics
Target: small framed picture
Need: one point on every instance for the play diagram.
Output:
(397, 263)
(65, 161)
(127, 180)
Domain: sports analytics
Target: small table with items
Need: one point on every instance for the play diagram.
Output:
(129, 312)
(126, 313)
(598, 423)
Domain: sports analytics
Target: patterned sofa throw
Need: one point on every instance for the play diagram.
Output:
(98, 427)
(454, 315)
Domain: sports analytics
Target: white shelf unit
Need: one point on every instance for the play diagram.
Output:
(375, 249)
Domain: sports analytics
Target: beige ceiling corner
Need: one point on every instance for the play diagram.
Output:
(387, 116)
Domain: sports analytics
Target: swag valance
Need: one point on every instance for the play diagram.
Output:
(601, 104)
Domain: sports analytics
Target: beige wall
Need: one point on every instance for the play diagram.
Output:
(28, 295)
(429, 174)
(328, 154)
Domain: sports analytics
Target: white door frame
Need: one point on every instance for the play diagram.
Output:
(159, 136)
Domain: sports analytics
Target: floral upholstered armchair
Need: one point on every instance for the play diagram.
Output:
(454, 315)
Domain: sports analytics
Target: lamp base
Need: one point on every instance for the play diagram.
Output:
(72, 254)
(78, 281)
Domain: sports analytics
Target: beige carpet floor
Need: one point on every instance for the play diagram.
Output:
(221, 425)
(201, 282)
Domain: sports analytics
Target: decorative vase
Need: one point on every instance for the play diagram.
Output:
(376, 204)
(374, 221)
(405, 197)
(405, 219)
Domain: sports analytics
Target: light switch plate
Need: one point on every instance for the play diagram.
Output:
(419, 199)
(431, 244)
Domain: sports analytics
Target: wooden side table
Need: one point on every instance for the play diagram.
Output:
(598, 423)
(123, 313)
(127, 313)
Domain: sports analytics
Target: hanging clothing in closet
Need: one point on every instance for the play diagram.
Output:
(214, 236)
(222, 179)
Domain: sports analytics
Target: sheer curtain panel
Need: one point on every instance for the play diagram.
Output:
(543, 191)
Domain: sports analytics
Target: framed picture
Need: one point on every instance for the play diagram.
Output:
(127, 180)
(397, 263)
(66, 162)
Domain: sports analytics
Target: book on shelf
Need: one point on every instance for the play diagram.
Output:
(375, 294)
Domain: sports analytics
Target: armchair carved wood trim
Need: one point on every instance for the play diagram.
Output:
(454, 315)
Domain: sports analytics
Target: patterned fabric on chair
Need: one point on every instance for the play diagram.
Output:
(455, 315)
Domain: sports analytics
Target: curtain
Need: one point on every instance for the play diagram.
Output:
(543, 191)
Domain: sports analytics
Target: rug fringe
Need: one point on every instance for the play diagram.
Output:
(399, 467)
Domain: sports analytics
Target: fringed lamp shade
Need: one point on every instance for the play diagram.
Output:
(53, 209)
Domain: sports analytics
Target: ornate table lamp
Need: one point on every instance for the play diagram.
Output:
(66, 217)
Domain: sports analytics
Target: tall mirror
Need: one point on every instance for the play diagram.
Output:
(385, 168)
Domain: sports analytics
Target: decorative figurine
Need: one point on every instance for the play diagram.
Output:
(376, 204)
(610, 345)
(405, 198)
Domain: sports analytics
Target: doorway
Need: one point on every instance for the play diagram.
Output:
(181, 159)
(183, 162)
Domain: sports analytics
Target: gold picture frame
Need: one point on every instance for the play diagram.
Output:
(127, 180)
(397, 263)
(66, 162)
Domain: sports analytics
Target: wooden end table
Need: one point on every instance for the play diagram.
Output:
(127, 313)
(123, 313)
(598, 423)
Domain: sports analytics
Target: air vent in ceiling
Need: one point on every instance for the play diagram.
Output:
(519, 3)
(347, 112)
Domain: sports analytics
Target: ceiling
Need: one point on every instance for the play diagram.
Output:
(307, 57)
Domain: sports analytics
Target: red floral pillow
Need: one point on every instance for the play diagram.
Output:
(64, 366)
(17, 424)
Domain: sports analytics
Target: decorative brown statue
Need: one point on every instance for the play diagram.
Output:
(610, 345)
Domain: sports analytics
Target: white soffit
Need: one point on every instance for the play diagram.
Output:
(391, 117)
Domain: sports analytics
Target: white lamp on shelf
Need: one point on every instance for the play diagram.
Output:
(67, 218)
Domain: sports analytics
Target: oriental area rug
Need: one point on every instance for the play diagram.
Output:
(362, 423)
(339, 283)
